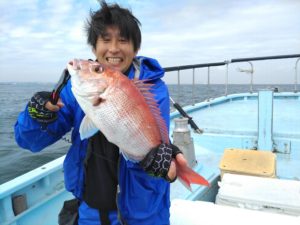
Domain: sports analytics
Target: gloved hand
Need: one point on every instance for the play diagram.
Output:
(37, 109)
(158, 161)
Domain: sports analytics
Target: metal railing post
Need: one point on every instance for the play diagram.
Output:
(251, 79)
(193, 90)
(226, 78)
(208, 83)
(178, 84)
(208, 76)
(296, 74)
(251, 71)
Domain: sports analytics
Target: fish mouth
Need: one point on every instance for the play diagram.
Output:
(75, 64)
(114, 60)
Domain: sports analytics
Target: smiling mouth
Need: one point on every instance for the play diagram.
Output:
(114, 60)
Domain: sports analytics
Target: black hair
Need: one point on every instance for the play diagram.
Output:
(113, 15)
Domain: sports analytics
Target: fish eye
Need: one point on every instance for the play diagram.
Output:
(98, 69)
(95, 67)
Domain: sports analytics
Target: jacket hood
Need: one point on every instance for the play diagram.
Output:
(149, 68)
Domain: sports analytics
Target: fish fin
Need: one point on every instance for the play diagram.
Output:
(144, 89)
(87, 128)
(188, 176)
(185, 182)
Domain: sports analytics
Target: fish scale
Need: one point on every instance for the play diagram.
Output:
(118, 117)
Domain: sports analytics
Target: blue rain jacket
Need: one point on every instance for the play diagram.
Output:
(142, 199)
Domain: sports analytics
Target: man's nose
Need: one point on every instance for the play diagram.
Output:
(114, 46)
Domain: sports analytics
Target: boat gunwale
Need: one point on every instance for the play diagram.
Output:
(231, 97)
(30, 177)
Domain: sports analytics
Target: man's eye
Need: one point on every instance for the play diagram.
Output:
(123, 40)
(105, 38)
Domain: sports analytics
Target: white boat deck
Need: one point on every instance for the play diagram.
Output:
(200, 212)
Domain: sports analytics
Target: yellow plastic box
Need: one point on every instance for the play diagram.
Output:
(248, 162)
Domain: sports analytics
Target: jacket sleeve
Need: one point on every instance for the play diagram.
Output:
(28, 132)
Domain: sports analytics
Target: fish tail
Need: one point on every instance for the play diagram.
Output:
(188, 176)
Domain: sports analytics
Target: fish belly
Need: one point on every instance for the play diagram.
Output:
(127, 121)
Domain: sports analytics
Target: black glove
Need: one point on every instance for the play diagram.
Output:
(37, 109)
(157, 162)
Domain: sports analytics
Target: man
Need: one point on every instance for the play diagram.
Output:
(94, 169)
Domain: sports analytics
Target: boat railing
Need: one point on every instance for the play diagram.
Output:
(226, 63)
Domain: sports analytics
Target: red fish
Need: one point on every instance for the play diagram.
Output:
(124, 110)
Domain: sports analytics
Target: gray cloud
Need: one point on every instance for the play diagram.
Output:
(40, 37)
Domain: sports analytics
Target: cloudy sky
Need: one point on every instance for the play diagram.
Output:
(38, 37)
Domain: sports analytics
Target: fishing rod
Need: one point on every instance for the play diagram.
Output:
(63, 80)
(184, 114)
(65, 76)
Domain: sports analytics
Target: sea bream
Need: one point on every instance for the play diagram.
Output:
(124, 110)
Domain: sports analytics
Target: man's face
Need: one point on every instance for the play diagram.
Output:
(114, 50)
